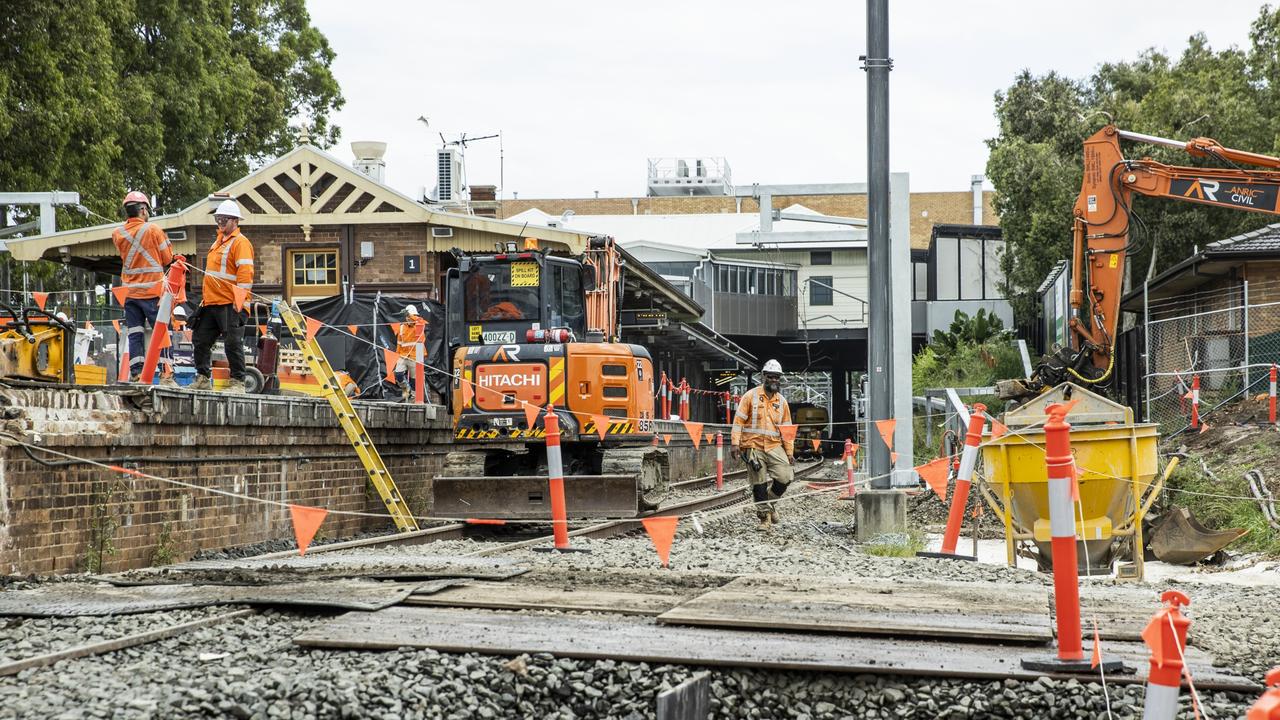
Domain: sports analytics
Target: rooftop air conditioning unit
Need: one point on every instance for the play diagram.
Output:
(450, 183)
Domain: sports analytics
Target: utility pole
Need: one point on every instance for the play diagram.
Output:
(877, 65)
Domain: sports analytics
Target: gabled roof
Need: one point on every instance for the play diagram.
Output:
(306, 187)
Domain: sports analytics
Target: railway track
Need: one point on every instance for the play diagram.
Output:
(611, 528)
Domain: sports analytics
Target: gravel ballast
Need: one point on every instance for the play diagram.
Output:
(249, 667)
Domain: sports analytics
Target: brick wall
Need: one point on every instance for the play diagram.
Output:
(62, 519)
(391, 244)
(927, 208)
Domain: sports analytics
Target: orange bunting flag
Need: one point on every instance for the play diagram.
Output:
(1187, 396)
(531, 413)
(238, 296)
(788, 432)
(262, 330)
(893, 458)
(395, 328)
(662, 531)
(666, 438)
(695, 432)
(817, 444)
(1203, 427)
(998, 428)
(353, 329)
(1068, 407)
(313, 326)
(601, 423)
(706, 437)
(42, 298)
(934, 474)
(1153, 636)
(886, 431)
(121, 294)
(391, 357)
(1096, 660)
(306, 521)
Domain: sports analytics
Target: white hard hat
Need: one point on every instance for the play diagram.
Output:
(773, 366)
(180, 311)
(410, 310)
(228, 208)
(61, 316)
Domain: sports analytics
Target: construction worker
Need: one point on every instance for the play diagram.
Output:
(407, 349)
(229, 265)
(144, 253)
(757, 438)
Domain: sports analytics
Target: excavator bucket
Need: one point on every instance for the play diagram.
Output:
(1180, 539)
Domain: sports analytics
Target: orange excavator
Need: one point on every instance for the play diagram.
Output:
(1100, 233)
(527, 330)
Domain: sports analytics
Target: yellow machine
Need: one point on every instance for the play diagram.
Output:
(35, 345)
(1116, 459)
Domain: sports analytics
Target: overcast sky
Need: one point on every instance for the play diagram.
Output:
(585, 92)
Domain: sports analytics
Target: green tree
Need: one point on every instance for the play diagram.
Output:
(1035, 160)
(176, 97)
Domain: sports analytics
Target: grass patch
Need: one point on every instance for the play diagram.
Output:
(1222, 503)
(905, 544)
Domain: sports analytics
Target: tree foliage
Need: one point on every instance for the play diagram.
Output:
(174, 97)
(983, 327)
(1035, 163)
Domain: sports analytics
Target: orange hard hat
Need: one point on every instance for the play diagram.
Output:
(136, 197)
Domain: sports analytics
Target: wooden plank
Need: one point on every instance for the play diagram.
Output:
(873, 606)
(641, 639)
(1122, 611)
(525, 597)
(120, 643)
(690, 700)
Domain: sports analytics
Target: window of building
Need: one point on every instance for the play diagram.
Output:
(820, 290)
(946, 260)
(820, 257)
(313, 273)
(921, 280)
(971, 269)
(992, 273)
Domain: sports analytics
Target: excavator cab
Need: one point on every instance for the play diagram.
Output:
(506, 298)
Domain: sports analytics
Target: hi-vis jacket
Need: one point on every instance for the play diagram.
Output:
(144, 251)
(407, 339)
(229, 264)
(757, 421)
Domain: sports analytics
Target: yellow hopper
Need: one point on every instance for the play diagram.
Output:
(1116, 461)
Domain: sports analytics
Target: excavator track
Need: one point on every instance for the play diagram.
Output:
(481, 483)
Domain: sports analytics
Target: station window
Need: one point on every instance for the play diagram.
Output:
(820, 257)
(820, 290)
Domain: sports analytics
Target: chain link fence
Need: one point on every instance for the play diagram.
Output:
(1227, 337)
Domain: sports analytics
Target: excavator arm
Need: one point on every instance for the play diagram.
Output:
(1101, 236)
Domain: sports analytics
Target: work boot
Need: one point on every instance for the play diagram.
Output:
(168, 381)
(774, 517)
(202, 383)
(234, 387)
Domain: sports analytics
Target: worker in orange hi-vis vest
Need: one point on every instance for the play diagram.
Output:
(144, 253)
(758, 439)
(228, 266)
(407, 349)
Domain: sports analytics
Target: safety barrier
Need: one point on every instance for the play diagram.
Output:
(1195, 402)
(719, 461)
(555, 480)
(174, 282)
(1268, 706)
(1166, 634)
(964, 479)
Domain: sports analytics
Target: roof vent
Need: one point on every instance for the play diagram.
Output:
(369, 160)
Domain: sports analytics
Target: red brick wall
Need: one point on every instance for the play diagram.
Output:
(56, 520)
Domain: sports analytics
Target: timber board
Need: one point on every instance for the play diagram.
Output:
(527, 597)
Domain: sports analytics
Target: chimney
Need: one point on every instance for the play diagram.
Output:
(975, 183)
(369, 159)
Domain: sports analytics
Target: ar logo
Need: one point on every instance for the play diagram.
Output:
(1203, 189)
(507, 353)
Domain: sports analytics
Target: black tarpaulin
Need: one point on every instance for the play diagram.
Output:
(363, 357)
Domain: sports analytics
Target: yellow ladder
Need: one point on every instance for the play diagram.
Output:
(350, 422)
